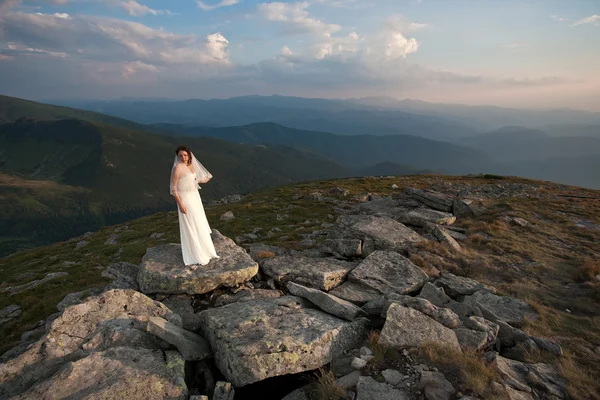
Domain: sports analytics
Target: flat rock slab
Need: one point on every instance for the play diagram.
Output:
(163, 271)
(117, 373)
(406, 327)
(420, 216)
(512, 311)
(191, 345)
(318, 273)
(387, 233)
(389, 272)
(256, 340)
(369, 389)
(455, 286)
(432, 199)
(355, 293)
(326, 302)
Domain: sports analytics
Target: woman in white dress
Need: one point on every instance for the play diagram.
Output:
(196, 244)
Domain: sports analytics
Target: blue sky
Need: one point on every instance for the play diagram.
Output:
(526, 53)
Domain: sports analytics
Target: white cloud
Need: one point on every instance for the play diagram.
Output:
(401, 24)
(296, 19)
(587, 20)
(558, 18)
(222, 3)
(136, 9)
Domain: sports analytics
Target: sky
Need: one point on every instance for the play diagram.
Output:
(512, 53)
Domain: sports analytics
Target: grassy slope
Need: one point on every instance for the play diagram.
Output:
(550, 265)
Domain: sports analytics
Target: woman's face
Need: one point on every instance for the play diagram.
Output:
(183, 157)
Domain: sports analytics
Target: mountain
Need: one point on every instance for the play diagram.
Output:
(393, 169)
(517, 143)
(354, 152)
(62, 178)
(572, 130)
(307, 114)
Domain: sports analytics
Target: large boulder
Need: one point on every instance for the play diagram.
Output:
(406, 327)
(326, 302)
(256, 340)
(163, 271)
(318, 273)
(432, 199)
(420, 216)
(455, 286)
(386, 233)
(512, 311)
(389, 272)
(117, 373)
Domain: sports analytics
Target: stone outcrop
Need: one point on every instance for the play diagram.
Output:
(386, 233)
(163, 271)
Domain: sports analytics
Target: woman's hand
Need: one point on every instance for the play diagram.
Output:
(183, 209)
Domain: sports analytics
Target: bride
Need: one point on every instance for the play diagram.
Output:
(196, 244)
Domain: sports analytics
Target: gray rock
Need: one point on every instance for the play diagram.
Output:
(440, 299)
(119, 333)
(420, 216)
(326, 302)
(124, 275)
(389, 272)
(516, 394)
(442, 235)
(467, 208)
(512, 311)
(260, 339)
(348, 381)
(163, 271)
(432, 199)
(228, 216)
(247, 295)
(490, 329)
(77, 297)
(471, 340)
(191, 345)
(369, 389)
(358, 363)
(318, 273)
(375, 307)
(393, 377)
(344, 247)
(436, 386)
(355, 293)
(223, 391)
(516, 221)
(386, 233)
(11, 290)
(9, 312)
(444, 316)
(157, 235)
(455, 286)
(182, 306)
(406, 327)
(117, 373)
(112, 239)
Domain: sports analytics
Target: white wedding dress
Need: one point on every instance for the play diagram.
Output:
(196, 244)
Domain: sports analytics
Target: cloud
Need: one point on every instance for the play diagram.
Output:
(352, 4)
(557, 18)
(587, 20)
(222, 3)
(401, 24)
(296, 19)
(136, 9)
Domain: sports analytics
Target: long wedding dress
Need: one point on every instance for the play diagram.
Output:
(196, 244)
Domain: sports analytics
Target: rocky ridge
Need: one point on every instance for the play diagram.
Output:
(265, 312)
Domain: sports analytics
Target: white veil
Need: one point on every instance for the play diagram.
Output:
(202, 174)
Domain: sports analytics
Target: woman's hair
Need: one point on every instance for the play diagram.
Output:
(187, 150)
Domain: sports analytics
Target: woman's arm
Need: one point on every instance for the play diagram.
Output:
(174, 179)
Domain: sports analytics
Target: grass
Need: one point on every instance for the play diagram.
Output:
(326, 387)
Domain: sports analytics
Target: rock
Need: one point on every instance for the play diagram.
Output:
(355, 293)
(260, 339)
(33, 284)
(117, 373)
(467, 208)
(223, 391)
(384, 207)
(436, 386)
(386, 233)
(228, 216)
(348, 381)
(259, 251)
(9, 312)
(456, 235)
(406, 327)
(247, 295)
(123, 274)
(420, 216)
(442, 235)
(375, 307)
(516, 221)
(471, 340)
(392, 377)
(549, 346)
(388, 272)
(77, 297)
(115, 333)
(365, 351)
(490, 329)
(112, 239)
(71, 330)
(369, 389)
(191, 345)
(326, 302)
(163, 271)
(512, 311)
(444, 316)
(344, 247)
(358, 363)
(437, 201)
(516, 394)
(298, 394)
(182, 306)
(318, 273)
(81, 243)
(157, 235)
(440, 299)
(455, 286)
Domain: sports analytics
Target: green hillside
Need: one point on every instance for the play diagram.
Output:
(61, 178)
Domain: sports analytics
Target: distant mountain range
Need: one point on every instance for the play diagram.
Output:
(371, 115)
